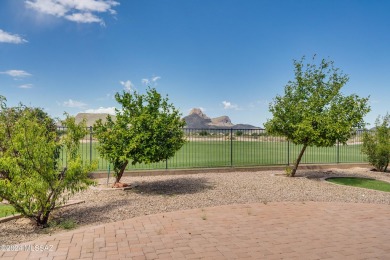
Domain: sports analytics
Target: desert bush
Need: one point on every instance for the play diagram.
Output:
(147, 129)
(239, 133)
(32, 178)
(376, 144)
(203, 133)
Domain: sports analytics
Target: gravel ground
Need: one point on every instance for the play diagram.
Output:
(156, 194)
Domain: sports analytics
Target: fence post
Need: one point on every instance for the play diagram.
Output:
(338, 152)
(231, 147)
(90, 144)
(288, 152)
(108, 174)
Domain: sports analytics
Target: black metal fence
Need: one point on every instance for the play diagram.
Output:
(231, 148)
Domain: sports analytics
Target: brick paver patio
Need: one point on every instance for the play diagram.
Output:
(283, 230)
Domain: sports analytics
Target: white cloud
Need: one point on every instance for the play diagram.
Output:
(91, 5)
(51, 7)
(84, 18)
(151, 81)
(145, 81)
(26, 86)
(73, 103)
(80, 11)
(10, 38)
(16, 73)
(154, 79)
(100, 110)
(228, 105)
(128, 86)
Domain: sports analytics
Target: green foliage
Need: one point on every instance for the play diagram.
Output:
(32, 178)
(257, 135)
(361, 183)
(63, 224)
(203, 133)
(288, 171)
(6, 210)
(313, 112)
(239, 133)
(147, 130)
(376, 144)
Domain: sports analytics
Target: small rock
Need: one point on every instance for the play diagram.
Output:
(120, 185)
(24, 221)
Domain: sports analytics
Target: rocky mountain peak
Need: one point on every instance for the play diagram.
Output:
(198, 119)
(199, 112)
(222, 121)
(91, 118)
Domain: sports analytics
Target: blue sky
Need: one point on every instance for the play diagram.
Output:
(228, 57)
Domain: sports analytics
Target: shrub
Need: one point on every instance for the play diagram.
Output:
(376, 144)
(32, 178)
(148, 129)
(203, 133)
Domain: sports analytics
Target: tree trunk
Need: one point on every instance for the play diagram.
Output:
(294, 170)
(119, 176)
(42, 219)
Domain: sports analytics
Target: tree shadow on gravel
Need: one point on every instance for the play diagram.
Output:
(91, 214)
(81, 214)
(171, 187)
(318, 175)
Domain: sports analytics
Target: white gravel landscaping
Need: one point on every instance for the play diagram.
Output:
(156, 194)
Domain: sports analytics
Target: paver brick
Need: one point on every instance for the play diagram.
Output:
(285, 230)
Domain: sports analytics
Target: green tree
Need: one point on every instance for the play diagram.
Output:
(147, 129)
(313, 111)
(203, 133)
(32, 177)
(376, 144)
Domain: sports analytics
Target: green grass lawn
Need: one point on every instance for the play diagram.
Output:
(361, 183)
(220, 153)
(6, 210)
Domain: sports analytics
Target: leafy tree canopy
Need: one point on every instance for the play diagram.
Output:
(147, 129)
(313, 111)
(32, 176)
